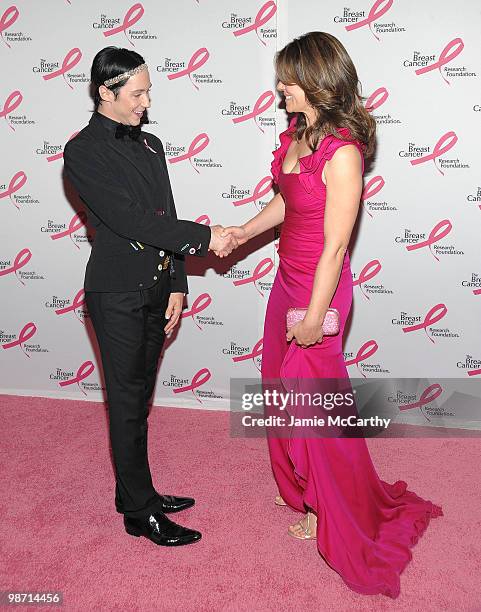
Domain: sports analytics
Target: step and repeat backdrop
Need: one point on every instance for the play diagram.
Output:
(416, 251)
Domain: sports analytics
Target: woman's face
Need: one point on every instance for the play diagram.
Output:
(296, 101)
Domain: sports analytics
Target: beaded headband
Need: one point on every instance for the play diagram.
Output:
(125, 75)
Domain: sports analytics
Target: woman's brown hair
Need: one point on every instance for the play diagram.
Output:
(320, 65)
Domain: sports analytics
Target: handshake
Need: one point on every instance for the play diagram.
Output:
(223, 240)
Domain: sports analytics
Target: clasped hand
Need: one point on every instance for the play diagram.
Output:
(224, 240)
(305, 333)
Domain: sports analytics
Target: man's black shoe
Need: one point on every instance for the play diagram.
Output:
(171, 503)
(161, 530)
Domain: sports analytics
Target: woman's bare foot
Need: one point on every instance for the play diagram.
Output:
(279, 501)
(305, 529)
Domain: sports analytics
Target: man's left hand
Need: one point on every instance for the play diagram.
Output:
(173, 312)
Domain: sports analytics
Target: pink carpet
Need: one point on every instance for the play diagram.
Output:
(60, 530)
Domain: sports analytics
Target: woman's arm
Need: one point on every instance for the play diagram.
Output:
(270, 216)
(344, 187)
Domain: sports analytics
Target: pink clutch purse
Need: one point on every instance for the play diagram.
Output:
(330, 325)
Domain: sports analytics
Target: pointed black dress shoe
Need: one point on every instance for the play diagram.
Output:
(161, 530)
(171, 503)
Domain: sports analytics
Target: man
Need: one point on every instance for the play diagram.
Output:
(135, 276)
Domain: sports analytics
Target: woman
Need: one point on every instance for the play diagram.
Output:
(364, 527)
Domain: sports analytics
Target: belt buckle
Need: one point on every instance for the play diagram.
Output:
(165, 265)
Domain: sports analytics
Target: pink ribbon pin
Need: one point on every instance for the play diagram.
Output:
(21, 259)
(262, 268)
(79, 300)
(25, 334)
(83, 372)
(256, 352)
(11, 103)
(376, 99)
(373, 186)
(261, 189)
(427, 396)
(440, 230)
(196, 146)
(197, 60)
(366, 350)
(56, 156)
(369, 271)
(262, 104)
(450, 51)
(72, 58)
(434, 315)
(198, 380)
(439, 148)
(203, 219)
(266, 12)
(200, 303)
(76, 222)
(9, 17)
(17, 181)
(134, 13)
(376, 11)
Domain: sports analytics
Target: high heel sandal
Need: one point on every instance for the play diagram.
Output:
(279, 501)
(306, 531)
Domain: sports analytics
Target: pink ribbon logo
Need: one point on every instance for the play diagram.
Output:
(72, 58)
(197, 60)
(440, 230)
(8, 18)
(450, 51)
(52, 158)
(378, 9)
(445, 143)
(369, 271)
(76, 222)
(11, 103)
(25, 334)
(78, 301)
(261, 189)
(21, 259)
(196, 146)
(17, 181)
(263, 102)
(133, 15)
(200, 303)
(256, 352)
(198, 380)
(83, 372)
(262, 268)
(265, 13)
(376, 99)
(427, 396)
(203, 219)
(434, 315)
(366, 350)
(373, 186)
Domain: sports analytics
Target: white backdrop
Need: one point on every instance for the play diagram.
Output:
(416, 253)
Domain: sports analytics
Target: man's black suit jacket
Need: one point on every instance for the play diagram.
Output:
(126, 209)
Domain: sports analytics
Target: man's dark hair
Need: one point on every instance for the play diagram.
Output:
(109, 63)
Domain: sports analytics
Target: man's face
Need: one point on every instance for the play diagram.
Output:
(132, 100)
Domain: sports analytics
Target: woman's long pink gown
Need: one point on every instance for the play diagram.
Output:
(365, 526)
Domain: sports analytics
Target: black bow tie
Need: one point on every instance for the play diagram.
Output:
(132, 130)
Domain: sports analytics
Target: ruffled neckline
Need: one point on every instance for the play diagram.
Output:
(308, 164)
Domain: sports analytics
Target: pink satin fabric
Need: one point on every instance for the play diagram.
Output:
(365, 526)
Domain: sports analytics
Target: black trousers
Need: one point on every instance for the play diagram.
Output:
(130, 332)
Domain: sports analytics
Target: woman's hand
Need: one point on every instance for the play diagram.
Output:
(173, 312)
(238, 232)
(305, 333)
